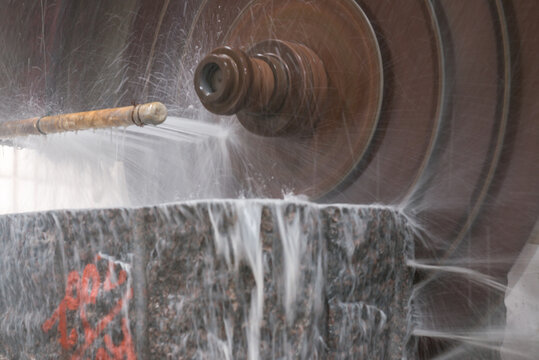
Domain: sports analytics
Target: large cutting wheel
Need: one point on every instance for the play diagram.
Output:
(450, 142)
(347, 141)
(432, 107)
(342, 37)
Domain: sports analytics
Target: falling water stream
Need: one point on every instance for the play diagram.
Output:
(158, 227)
(230, 279)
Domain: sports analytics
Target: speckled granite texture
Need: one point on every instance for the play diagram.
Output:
(206, 280)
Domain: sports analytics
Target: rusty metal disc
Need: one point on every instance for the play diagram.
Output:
(341, 35)
(361, 158)
(455, 138)
(454, 141)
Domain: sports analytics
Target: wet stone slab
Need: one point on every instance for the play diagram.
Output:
(206, 280)
(66, 284)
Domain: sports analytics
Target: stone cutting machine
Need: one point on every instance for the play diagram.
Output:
(427, 105)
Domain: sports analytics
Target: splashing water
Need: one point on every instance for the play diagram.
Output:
(55, 64)
(207, 280)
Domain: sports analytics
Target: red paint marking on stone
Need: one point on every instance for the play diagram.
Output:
(87, 290)
(108, 284)
(92, 334)
(68, 303)
(90, 273)
(102, 355)
(125, 348)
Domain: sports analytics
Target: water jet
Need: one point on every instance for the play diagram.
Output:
(423, 106)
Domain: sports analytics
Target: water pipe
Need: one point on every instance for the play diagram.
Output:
(144, 114)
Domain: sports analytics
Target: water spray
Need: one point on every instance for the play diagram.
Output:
(424, 106)
(385, 131)
(144, 114)
(285, 80)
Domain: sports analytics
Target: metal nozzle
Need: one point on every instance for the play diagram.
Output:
(150, 114)
(144, 114)
(275, 88)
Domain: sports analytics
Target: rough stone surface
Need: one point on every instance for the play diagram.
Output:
(206, 280)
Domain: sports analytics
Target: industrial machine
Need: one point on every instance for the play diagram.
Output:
(429, 105)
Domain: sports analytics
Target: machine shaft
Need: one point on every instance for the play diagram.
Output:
(144, 114)
(276, 88)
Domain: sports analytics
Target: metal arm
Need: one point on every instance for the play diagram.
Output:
(151, 113)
